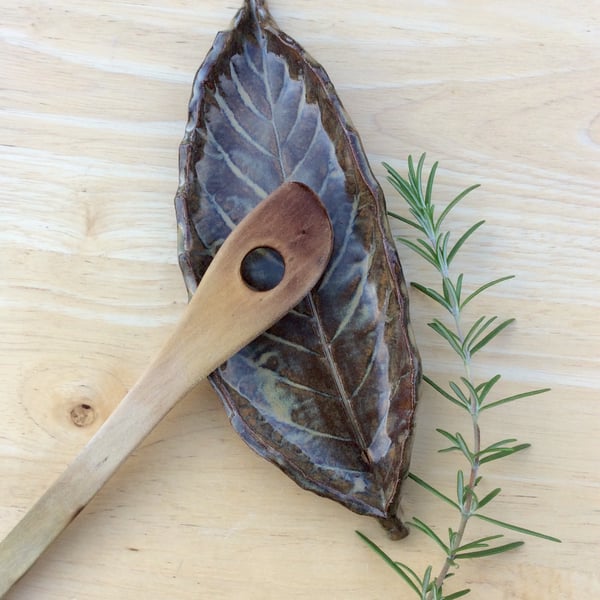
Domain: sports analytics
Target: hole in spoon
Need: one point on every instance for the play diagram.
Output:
(262, 269)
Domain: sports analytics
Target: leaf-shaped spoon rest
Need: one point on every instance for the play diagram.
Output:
(224, 314)
(329, 393)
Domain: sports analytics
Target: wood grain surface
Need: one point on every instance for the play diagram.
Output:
(92, 107)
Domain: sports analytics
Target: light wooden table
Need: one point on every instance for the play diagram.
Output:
(93, 104)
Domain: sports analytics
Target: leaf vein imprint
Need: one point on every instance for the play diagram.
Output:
(354, 425)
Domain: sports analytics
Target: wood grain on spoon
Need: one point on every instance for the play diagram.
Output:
(224, 314)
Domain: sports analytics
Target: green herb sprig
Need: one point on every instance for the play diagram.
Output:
(434, 245)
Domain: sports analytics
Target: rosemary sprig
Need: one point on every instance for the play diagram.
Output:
(434, 245)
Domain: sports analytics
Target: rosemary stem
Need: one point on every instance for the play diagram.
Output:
(467, 504)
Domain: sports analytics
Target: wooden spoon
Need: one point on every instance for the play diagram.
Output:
(224, 314)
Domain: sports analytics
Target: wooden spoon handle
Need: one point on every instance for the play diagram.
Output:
(224, 315)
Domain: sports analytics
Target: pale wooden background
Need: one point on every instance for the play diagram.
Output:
(93, 104)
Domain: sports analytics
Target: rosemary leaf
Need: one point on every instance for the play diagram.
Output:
(398, 567)
(480, 543)
(449, 336)
(484, 287)
(463, 238)
(503, 453)
(475, 330)
(458, 594)
(424, 253)
(428, 531)
(489, 551)
(430, 180)
(407, 221)
(483, 389)
(515, 397)
(436, 296)
(431, 489)
(497, 445)
(445, 394)
(454, 202)
(490, 336)
(489, 497)
(517, 528)
(459, 393)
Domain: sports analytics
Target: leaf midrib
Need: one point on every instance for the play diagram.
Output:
(337, 378)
